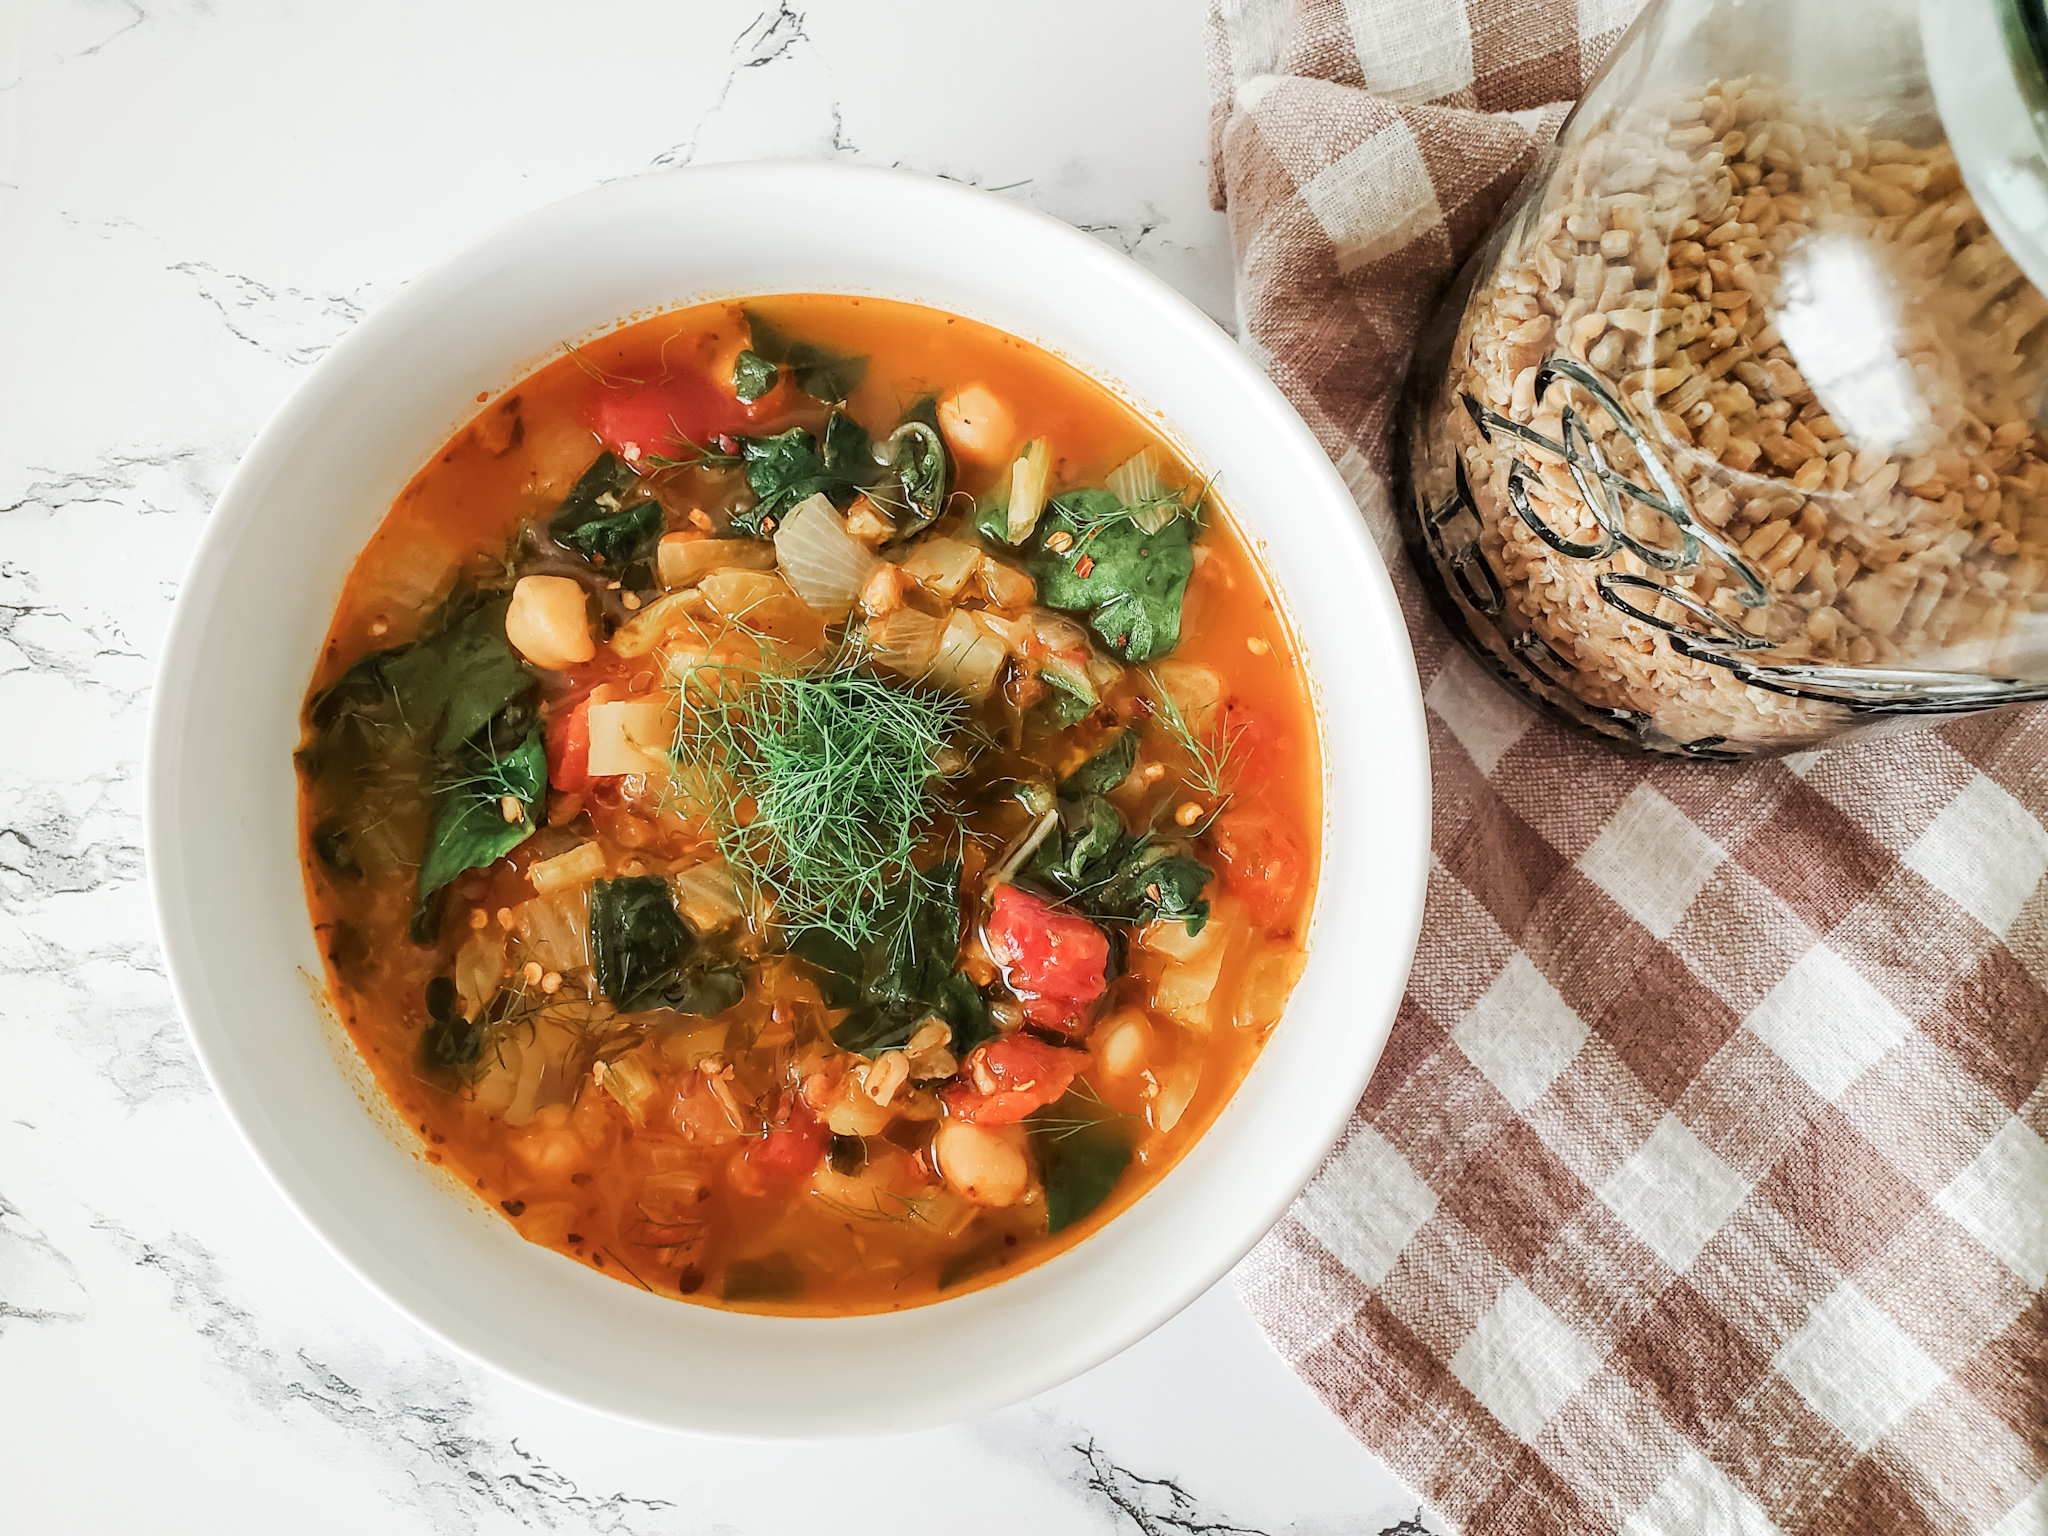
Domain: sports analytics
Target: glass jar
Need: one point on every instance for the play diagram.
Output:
(1729, 439)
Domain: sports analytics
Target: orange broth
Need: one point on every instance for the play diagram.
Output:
(669, 1149)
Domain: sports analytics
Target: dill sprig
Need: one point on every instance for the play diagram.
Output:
(1057, 1127)
(491, 780)
(700, 455)
(1150, 513)
(818, 784)
(1212, 765)
(899, 1208)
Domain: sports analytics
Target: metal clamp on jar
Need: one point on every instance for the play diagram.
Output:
(1729, 440)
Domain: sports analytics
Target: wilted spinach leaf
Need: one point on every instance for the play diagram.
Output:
(1070, 700)
(1153, 881)
(1091, 861)
(450, 1041)
(917, 453)
(470, 829)
(990, 521)
(1081, 850)
(596, 520)
(335, 848)
(1082, 1152)
(846, 1155)
(1130, 583)
(1107, 768)
(438, 691)
(698, 990)
(752, 376)
(775, 1277)
(362, 690)
(449, 685)
(609, 477)
(819, 372)
(792, 466)
(637, 940)
(906, 974)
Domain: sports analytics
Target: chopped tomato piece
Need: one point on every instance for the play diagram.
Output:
(666, 415)
(1008, 1079)
(568, 743)
(1055, 962)
(1262, 862)
(793, 1147)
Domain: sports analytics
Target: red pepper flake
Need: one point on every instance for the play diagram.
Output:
(573, 1237)
(1085, 566)
(512, 1207)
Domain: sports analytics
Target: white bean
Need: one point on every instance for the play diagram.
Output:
(984, 1164)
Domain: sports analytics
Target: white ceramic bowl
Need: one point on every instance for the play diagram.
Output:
(223, 846)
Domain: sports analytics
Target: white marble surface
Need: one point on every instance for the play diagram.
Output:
(195, 200)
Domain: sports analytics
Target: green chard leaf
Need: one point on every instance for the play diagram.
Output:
(470, 830)
(752, 376)
(1130, 583)
(597, 520)
(819, 372)
(1082, 1151)
(792, 466)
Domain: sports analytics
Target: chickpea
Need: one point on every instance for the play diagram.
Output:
(976, 424)
(548, 624)
(984, 1164)
(550, 1148)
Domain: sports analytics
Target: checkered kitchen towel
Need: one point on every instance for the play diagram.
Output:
(1703, 1187)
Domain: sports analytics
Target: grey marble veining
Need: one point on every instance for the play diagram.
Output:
(196, 200)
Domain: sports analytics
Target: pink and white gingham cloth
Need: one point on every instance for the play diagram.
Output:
(1703, 1187)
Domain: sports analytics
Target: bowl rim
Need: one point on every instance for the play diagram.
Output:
(1399, 732)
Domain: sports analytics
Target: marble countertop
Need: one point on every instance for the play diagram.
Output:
(196, 199)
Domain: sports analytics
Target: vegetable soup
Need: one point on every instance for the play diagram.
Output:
(809, 806)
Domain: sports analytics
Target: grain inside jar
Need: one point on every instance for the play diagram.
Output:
(1835, 362)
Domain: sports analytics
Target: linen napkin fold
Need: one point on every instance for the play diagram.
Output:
(1703, 1186)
